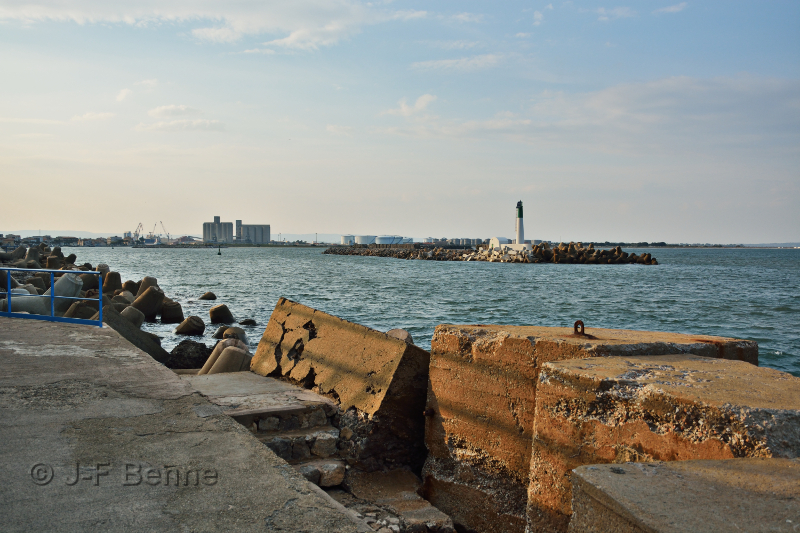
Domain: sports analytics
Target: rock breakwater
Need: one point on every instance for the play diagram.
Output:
(572, 253)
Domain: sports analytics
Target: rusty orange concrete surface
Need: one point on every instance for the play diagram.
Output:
(642, 409)
(482, 399)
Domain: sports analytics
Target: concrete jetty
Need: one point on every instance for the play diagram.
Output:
(97, 436)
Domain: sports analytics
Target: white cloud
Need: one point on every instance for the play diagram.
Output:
(522, 35)
(301, 24)
(464, 64)
(672, 9)
(92, 117)
(673, 116)
(455, 45)
(339, 130)
(123, 94)
(614, 13)
(265, 51)
(549, 6)
(166, 111)
(537, 18)
(148, 84)
(468, 17)
(183, 125)
(406, 110)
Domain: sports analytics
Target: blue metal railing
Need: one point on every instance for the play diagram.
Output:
(5, 272)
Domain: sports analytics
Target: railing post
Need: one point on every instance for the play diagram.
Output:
(100, 300)
(8, 290)
(52, 294)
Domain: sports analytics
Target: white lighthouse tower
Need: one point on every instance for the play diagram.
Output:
(519, 244)
(520, 226)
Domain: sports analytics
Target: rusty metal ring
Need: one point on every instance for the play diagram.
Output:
(579, 324)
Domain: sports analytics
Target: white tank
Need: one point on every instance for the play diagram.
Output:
(407, 240)
(385, 239)
(365, 239)
(348, 239)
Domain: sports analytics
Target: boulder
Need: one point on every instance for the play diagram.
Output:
(188, 354)
(149, 302)
(248, 322)
(401, 334)
(171, 313)
(133, 315)
(146, 283)
(220, 314)
(208, 296)
(112, 282)
(192, 325)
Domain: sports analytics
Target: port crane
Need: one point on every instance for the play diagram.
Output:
(165, 230)
(138, 232)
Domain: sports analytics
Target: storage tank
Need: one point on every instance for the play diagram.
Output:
(407, 240)
(385, 239)
(365, 239)
(348, 239)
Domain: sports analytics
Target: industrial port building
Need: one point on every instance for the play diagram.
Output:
(222, 232)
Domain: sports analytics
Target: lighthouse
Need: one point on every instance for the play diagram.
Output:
(520, 226)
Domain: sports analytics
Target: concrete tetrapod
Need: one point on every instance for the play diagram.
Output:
(192, 325)
(230, 359)
(220, 314)
(147, 282)
(135, 316)
(171, 313)
(112, 282)
(149, 302)
(68, 285)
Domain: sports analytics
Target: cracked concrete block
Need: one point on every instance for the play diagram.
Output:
(381, 380)
(644, 409)
(482, 400)
(698, 496)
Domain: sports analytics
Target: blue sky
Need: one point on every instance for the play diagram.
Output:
(674, 121)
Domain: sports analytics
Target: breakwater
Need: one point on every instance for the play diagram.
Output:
(572, 253)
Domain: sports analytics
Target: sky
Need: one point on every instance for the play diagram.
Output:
(640, 121)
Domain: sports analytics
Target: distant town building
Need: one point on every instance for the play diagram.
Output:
(252, 233)
(220, 232)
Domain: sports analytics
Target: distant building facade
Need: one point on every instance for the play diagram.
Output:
(220, 232)
(252, 233)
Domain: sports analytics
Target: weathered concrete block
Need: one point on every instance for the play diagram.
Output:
(482, 400)
(698, 496)
(379, 381)
(220, 314)
(667, 408)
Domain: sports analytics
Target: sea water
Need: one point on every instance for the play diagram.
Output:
(744, 293)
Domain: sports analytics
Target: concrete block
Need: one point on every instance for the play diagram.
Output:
(379, 381)
(755, 495)
(643, 409)
(482, 401)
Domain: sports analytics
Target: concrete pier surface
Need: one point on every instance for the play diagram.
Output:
(95, 435)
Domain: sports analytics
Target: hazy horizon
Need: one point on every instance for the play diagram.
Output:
(646, 121)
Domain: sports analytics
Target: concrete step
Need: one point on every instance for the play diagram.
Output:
(302, 444)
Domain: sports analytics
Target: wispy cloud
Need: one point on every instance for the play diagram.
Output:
(166, 111)
(464, 64)
(92, 117)
(182, 125)
(455, 45)
(406, 110)
(604, 14)
(538, 17)
(265, 51)
(31, 121)
(339, 130)
(123, 94)
(468, 17)
(148, 84)
(522, 35)
(672, 9)
(300, 24)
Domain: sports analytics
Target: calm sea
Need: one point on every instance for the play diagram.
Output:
(744, 293)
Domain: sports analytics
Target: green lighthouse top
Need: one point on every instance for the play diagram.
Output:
(519, 209)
